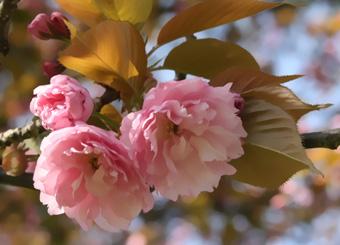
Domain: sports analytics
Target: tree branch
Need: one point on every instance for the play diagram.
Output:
(16, 135)
(25, 180)
(109, 96)
(7, 7)
(327, 139)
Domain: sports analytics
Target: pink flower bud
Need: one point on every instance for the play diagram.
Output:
(14, 161)
(52, 68)
(46, 27)
(62, 103)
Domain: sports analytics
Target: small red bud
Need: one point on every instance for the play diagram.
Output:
(52, 68)
(239, 103)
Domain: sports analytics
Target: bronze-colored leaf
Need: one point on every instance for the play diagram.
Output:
(208, 57)
(283, 98)
(133, 11)
(245, 79)
(208, 14)
(110, 53)
(277, 142)
(84, 10)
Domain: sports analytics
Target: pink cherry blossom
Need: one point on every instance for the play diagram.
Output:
(86, 173)
(62, 103)
(184, 136)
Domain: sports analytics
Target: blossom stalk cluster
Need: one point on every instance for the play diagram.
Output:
(180, 144)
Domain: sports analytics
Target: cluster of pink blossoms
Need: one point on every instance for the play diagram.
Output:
(179, 143)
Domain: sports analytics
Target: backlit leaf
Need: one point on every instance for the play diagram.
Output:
(133, 11)
(110, 53)
(283, 98)
(265, 167)
(72, 29)
(274, 141)
(208, 57)
(111, 112)
(208, 14)
(84, 10)
(245, 79)
(102, 121)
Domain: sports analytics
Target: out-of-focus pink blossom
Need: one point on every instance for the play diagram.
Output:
(62, 103)
(52, 68)
(86, 173)
(35, 6)
(47, 27)
(184, 136)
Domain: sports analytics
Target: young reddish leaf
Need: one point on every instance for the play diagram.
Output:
(208, 57)
(110, 53)
(283, 98)
(277, 142)
(208, 14)
(245, 79)
(72, 28)
(133, 11)
(84, 10)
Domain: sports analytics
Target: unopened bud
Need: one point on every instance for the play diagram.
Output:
(239, 103)
(47, 27)
(14, 161)
(52, 68)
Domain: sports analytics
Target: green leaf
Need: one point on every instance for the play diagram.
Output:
(208, 57)
(275, 142)
(265, 167)
(297, 3)
(103, 121)
(208, 14)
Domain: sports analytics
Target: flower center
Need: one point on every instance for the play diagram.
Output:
(173, 128)
(94, 161)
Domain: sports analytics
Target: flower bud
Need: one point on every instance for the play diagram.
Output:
(46, 27)
(52, 68)
(14, 161)
(239, 103)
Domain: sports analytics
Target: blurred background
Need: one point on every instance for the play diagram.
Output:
(306, 210)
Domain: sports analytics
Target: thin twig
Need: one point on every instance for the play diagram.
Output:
(25, 180)
(17, 135)
(109, 96)
(327, 139)
(7, 7)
